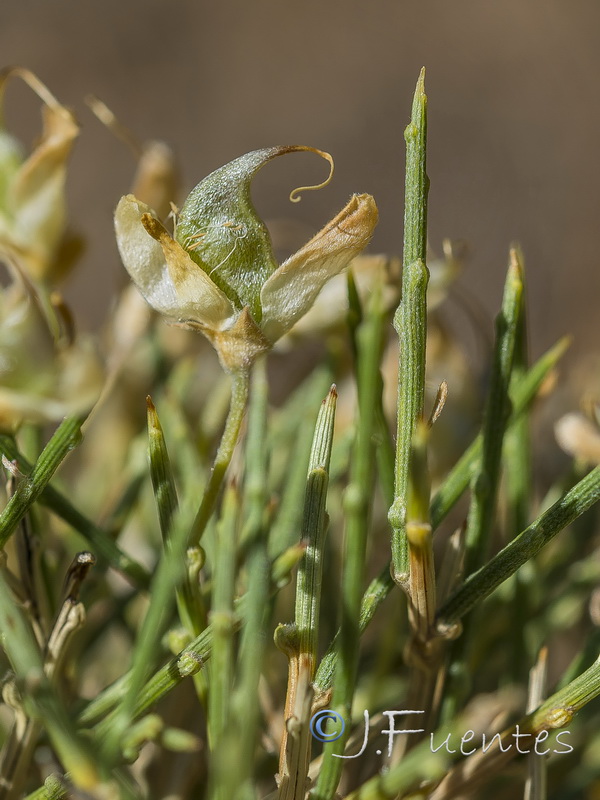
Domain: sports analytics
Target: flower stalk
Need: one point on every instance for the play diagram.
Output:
(239, 398)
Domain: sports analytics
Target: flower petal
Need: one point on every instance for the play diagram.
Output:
(143, 257)
(330, 309)
(219, 227)
(162, 270)
(33, 220)
(293, 288)
(200, 300)
(44, 373)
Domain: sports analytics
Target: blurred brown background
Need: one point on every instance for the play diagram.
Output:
(514, 121)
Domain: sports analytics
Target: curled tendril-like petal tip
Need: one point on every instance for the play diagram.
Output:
(326, 182)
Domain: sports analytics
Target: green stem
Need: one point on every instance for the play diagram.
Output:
(240, 742)
(526, 545)
(298, 414)
(243, 702)
(558, 710)
(446, 498)
(299, 641)
(486, 478)
(174, 523)
(239, 397)
(521, 396)
(161, 473)
(41, 702)
(189, 599)
(518, 471)
(223, 623)
(357, 511)
(188, 662)
(65, 438)
(410, 321)
(314, 526)
(480, 521)
(99, 541)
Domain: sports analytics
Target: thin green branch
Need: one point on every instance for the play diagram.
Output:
(299, 641)
(519, 493)
(168, 574)
(410, 321)
(239, 397)
(486, 480)
(40, 700)
(189, 599)
(297, 414)
(66, 437)
(522, 395)
(98, 540)
(161, 473)
(314, 525)
(221, 668)
(239, 744)
(525, 546)
(357, 510)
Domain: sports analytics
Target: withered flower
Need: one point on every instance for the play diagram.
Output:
(32, 196)
(218, 273)
(46, 372)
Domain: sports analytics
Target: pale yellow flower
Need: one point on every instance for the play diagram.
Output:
(32, 188)
(218, 274)
(46, 373)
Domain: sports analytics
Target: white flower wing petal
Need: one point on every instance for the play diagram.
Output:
(143, 257)
(293, 288)
(200, 300)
